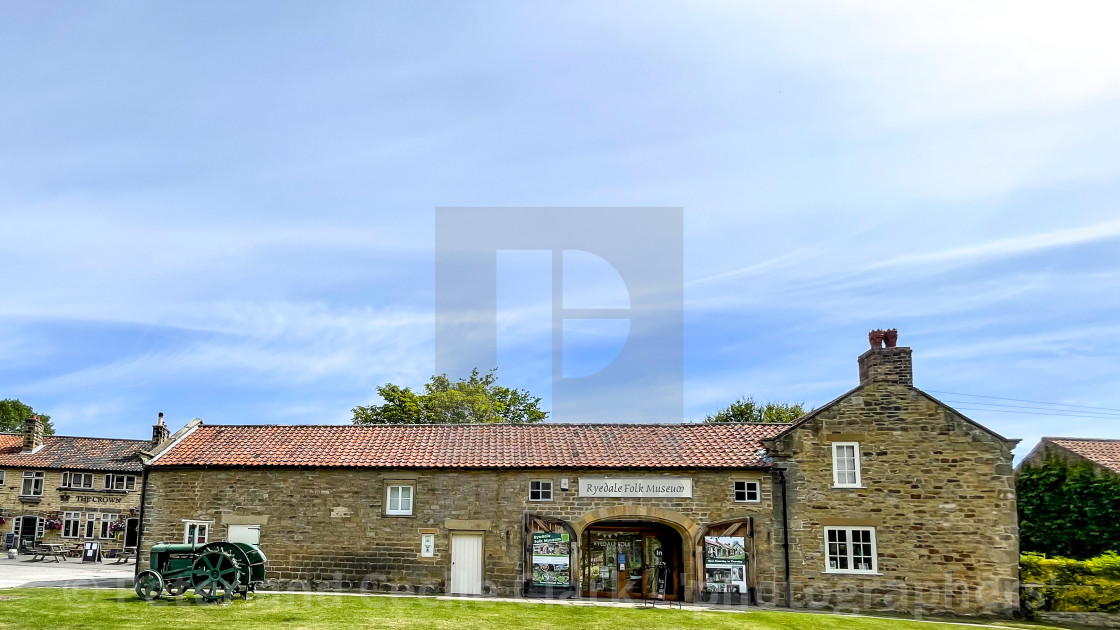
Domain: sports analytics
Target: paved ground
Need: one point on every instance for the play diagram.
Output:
(23, 572)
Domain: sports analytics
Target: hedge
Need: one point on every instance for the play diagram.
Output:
(1068, 510)
(1063, 584)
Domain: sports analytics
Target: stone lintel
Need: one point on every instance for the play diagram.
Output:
(244, 519)
(462, 525)
(850, 522)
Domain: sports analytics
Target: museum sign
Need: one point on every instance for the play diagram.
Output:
(636, 487)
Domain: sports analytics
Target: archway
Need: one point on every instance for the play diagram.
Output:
(622, 546)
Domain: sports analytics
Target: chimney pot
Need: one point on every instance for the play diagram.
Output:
(160, 432)
(889, 364)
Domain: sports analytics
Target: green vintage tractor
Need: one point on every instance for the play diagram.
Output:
(215, 571)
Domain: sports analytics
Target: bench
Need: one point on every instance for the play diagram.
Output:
(54, 551)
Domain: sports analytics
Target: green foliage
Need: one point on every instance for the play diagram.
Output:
(13, 413)
(476, 399)
(1068, 510)
(1064, 584)
(750, 410)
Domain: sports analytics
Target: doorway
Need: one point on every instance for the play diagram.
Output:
(466, 564)
(26, 529)
(631, 560)
(244, 534)
(131, 533)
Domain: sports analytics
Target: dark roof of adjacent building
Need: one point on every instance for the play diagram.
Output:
(1105, 453)
(735, 445)
(73, 453)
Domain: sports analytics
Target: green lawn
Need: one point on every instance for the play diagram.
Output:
(59, 609)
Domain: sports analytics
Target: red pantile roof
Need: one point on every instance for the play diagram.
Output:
(73, 453)
(1101, 452)
(476, 446)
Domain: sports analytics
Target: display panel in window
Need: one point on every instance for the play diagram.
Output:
(398, 500)
(196, 532)
(747, 492)
(540, 490)
(850, 550)
(845, 465)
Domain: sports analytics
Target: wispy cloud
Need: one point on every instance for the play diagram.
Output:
(1001, 248)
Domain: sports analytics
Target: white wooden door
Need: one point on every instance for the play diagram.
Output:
(466, 564)
(245, 534)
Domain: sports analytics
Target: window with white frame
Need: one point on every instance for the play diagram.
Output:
(32, 483)
(850, 550)
(91, 524)
(747, 492)
(398, 500)
(71, 524)
(2, 475)
(77, 480)
(196, 532)
(540, 490)
(845, 465)
(103, 526)
(120, 482)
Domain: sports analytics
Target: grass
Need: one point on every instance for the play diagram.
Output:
(61, 609)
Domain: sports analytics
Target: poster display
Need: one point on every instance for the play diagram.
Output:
(725, 564)
(552, 556)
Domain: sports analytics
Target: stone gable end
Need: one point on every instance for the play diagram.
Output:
(938, 490)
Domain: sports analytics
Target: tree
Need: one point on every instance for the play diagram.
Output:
(476, 399)
(750, 410)
(13, 413)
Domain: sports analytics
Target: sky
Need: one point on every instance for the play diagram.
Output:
(226, 210)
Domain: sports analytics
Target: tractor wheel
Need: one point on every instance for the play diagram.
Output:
(149, 585)
(215, 575)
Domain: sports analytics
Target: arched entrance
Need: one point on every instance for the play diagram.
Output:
(631, 552)
(626, 559)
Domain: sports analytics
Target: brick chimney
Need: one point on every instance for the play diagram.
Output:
(885, 362)
(32, 434)
(160, 432)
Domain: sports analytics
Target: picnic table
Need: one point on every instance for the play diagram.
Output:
(128, 552)
(53, 550)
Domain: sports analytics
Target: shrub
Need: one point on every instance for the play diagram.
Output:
(1063, 584)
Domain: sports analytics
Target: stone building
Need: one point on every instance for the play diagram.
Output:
(63, 489)
(883, 499)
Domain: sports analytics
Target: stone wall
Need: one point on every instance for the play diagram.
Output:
(328, 525)
(1079, 619)
(118, 505)
(938, 490)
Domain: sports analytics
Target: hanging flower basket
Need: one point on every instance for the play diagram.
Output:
(53, 523)
(115, 527)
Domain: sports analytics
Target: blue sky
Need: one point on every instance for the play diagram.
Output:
(225, 210)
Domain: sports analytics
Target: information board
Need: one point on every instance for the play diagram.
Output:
(91, 552)
(551, 559)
